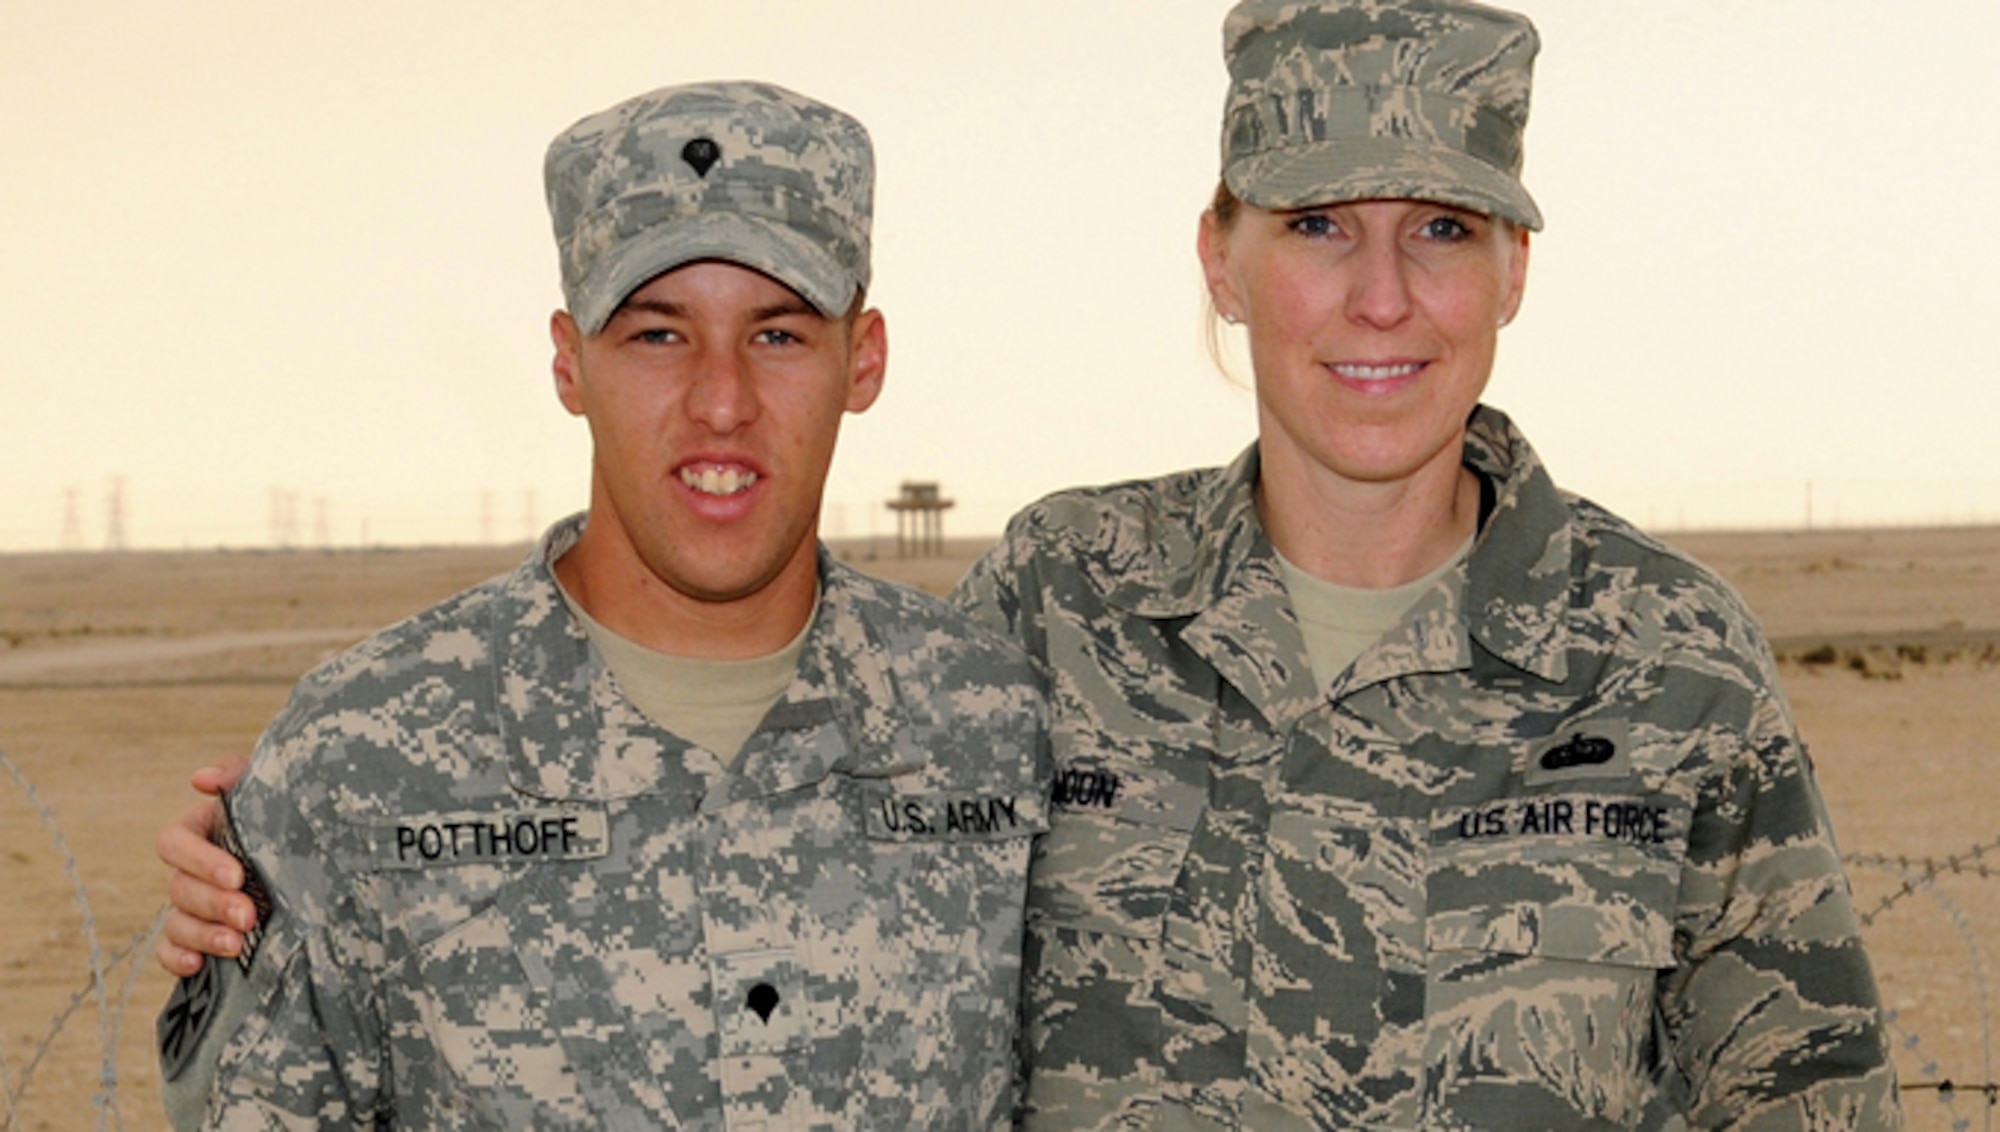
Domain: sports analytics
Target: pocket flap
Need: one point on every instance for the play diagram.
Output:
(1555, 877)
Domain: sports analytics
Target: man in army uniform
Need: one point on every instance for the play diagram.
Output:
(681, 823)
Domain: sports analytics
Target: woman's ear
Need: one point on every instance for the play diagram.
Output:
(1212, 245)
(1517, 276)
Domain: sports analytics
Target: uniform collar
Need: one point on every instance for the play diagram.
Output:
(571, 734)
(1518, 581)
(1204, 556)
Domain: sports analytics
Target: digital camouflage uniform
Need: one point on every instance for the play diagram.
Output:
(1547, 856)
(503, 898)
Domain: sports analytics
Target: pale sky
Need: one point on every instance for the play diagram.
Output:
(258, 246)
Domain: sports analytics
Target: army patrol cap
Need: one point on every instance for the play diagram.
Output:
(1343, 100)
(746, 172)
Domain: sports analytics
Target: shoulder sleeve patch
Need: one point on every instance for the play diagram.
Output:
(190, 1011)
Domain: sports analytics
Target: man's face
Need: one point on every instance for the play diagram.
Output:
(714, 395)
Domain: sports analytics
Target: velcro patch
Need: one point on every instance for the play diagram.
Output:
(253, 886)
(501, 837)
(954, 817)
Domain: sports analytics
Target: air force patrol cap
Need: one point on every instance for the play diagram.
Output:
(1342, 100)
(745, 172)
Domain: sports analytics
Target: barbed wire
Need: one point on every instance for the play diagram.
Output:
(1947, 1087)
(1920, 872)
(106, 1027)
(1919, 876)
(105, 1101)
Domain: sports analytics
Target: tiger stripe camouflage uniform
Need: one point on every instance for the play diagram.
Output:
(503, 898)
(1547, 856)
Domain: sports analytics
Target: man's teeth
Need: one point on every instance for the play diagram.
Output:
(718, 481)
(1376, 373)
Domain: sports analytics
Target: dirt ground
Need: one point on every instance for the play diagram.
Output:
(120, 673)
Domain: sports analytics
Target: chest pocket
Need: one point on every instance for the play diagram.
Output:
(1116, 844)
(1548, 921)
(1580, 877)
(922, 1002)
(478, 1030)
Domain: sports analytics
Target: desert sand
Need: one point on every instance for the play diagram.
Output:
(121, 672)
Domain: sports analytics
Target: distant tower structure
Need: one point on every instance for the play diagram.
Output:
(114, 517)
(919, 520)
(322, 528)
(284, 518)
(72, 528)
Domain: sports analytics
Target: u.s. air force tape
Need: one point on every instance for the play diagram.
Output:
(971, 816)
(495, 837)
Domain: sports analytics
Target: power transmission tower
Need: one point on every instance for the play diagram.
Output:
(284, 518)
(72, 527)
(114, 520)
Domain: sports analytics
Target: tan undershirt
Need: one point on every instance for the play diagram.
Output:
(714, 703)
(1340, 622)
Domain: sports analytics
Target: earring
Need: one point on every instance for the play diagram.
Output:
(1232, 319)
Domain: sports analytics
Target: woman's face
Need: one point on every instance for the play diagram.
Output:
(1371, 325)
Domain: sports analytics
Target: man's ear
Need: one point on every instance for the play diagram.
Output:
(567, 365)
(868, 359)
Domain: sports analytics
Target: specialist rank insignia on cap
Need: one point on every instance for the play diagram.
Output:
(701, 154)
